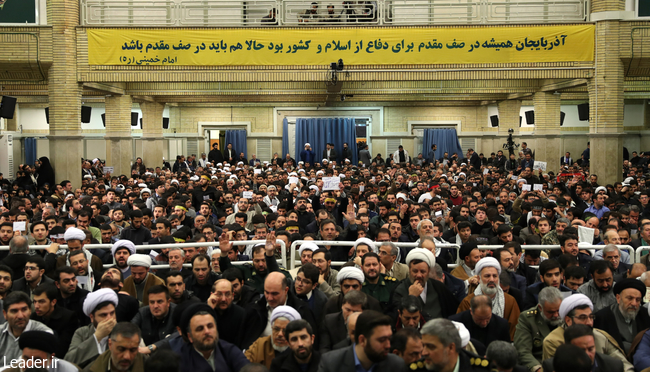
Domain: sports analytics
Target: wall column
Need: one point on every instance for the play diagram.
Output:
(606, 99)
(547, 128)
(509, 116)
(119, 143)
(64, 93)
(152, 133)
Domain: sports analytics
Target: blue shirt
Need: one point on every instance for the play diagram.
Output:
(357, 364)
(598, 212)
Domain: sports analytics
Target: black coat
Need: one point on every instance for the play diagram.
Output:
(316, 303)
(343, 360)
(127, 307)
(75, 304)
(286, 362)
(606, 321)
(257, 318)
(227, 358)
(605, 364)
(248, 296)
(215, 156)
(229, 324)
(497, 330)
(21, 285)
(154, 330)
(333, 331)
(64, 323)
(17, 263)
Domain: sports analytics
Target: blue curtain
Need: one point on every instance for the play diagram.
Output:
(285, 138)
(320, 131)
(30, 150)
(445, 139)
(238, 140)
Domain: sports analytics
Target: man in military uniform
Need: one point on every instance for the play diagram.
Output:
(534, 325)
(263, 262)
(378, 285)
(442, 349)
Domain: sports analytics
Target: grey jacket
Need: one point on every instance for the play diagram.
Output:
(599, 299)
(9, 344)
(145, 320)
(83, 347)
(331, 287)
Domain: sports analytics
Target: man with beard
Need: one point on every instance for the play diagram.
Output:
(550, 275)
(469, 255)
(175, 283)
(136, 233)
(264, 261)
(407, 344)
(16, 310)
(205, 351)
(377, 285)
(75, 237)
(60, 320)
(328, 280)
(86, 277)
(229, 316)
(350, 279)
(34, 276)
(6, 281)
(122, 351)
(482, 324)
(242, 294)
(266, 348)
(121, 252)
(503, 304)
(127, 306)
(258, 315)
(442, 350)
(203, 192)
(599, 288)
(437, 301)
(623, 320)
(578, 309)
(534, 325)
(302, 358)
(154, 320)
(507, 262)
(137, 285)
(92, 340)
(370, 350)
(71, 296)
(202, 278)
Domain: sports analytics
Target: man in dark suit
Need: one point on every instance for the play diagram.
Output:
(276, 293)
(334, 328)
(627, 317)
(302, 358)
(62, 321)
(582, 336)
(481, 323)
(371, 349)
(329, 153)
(215, 156)
(229, 154)
(34, 276)
(474, 160)
(305, 288)
(566, 159)
(18, 248)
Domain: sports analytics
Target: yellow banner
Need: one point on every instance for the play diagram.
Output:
(359, 46)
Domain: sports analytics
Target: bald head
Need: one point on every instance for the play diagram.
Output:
(636, 270)
(352, 324)
(275, 289)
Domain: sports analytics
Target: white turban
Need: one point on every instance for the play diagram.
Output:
(285, 312)
(97, 297)
(572, 302)
(74, 233)
(421, 254)
(142, 185)
(121, 244)
(487, 262)
(145, 190)
(194, 178)
(350, 272)
(600, 188)
(401, 195)
(139, 260)
(463, 333)
(311, 246)
(313, 187)
(366, 241)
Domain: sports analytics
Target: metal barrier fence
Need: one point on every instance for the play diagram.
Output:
(631, 251)
(292, 250)
(283, 250)
(238, 13)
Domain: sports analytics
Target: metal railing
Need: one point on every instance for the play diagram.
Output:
(283, 250)
(631, 251)
(292, 250)
(240, 13)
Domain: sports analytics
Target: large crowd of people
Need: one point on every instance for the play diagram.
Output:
(220, 297)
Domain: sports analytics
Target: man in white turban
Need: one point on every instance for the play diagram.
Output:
(264, 349)
(74, 238)
(137, 285)
(121, 251)
(350, 278)
(92, 340)
(578, 309)
(305, 252)
(436, 299)
(504, 305)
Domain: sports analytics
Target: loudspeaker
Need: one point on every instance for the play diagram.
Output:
(165, 123)
(361, 131)
(104, 120)
(530, 117)
(494, 119)
(7, 107)
(562, 115)
(583, 112)
(521, 118)
(134, 119)
(85, 114)
(47, 115)
(140, 123)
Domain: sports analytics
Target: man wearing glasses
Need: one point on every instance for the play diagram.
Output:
(578, 309)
